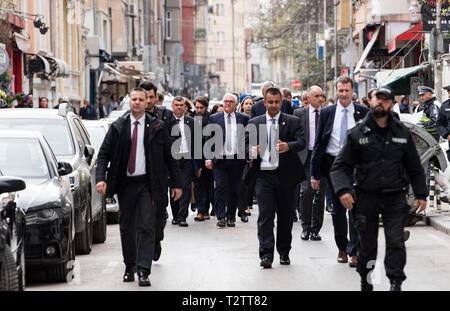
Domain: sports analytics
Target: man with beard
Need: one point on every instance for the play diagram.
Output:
(381, 155)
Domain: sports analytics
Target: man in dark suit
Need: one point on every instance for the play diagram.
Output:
(182, 128)
(137, 147)
(279, 169)
(259, 109)
(229, 159)
(334, 122)
(311, 213)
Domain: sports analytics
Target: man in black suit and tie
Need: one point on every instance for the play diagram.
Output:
(279, 169)
(259, 108)
(182, 129)
(228, 161)
(334, 122)
(137, 147)
(311, 214)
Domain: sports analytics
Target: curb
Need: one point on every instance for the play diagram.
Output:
(439, 222)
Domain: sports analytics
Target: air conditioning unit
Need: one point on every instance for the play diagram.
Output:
(131, 10)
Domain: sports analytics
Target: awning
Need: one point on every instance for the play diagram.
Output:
(16, 20)
(59, 68)
(409, 35)
(367, 49)
(391, 77)
(135, 70)
(22, 42)
(38, 64)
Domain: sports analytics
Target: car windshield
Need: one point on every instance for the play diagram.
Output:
(97, 134)
(23, 157)
(56, 132)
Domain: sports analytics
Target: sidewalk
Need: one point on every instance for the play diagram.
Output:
(439, 220)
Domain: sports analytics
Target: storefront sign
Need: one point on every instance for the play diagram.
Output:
(428, 12)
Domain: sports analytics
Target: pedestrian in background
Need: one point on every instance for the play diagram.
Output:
(43, 102)
(217, 108)
(160, 99)
(137, 147)
(113, 104)
(404, 105)
(380, 156)
(311, 213)
(188, 105)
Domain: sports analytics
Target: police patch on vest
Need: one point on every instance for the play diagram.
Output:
(363, 140)
(399, 140)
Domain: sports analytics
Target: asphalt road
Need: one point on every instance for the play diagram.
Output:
(203, 257)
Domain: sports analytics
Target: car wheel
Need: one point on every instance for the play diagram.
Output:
(113, 218)
(100, 225)
(83, 240)
(9, 278)
(64, 272)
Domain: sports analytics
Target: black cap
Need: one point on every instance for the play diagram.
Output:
(424, 89)
(447, 88)
(387, 91)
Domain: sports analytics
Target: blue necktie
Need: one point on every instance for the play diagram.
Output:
(228, 135)
(343, 127)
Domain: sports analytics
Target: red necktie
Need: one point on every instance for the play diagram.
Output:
(132, 159)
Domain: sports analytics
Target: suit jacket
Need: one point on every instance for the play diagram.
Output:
(259, 108)
(291, 131)
(188, 123)
(219, 119)
(303, 114)
(320, 167)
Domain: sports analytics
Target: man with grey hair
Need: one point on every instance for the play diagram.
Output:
(226, 165)
(259, 108)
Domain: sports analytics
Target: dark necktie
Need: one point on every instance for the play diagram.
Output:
(272, 134)
(132, 159)
(316, 111)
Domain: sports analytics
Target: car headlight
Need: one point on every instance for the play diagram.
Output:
(74, 179)
(34, 217)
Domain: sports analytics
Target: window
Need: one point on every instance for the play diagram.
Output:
(220, 9)
(220, 65)
(169, 25)
(220, 37)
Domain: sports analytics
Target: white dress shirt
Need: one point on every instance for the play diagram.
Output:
(312, 126)
(183, 147)
(140, 150)
(233, 130)
(265, 163)
(334, 147)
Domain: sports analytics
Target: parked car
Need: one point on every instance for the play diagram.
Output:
(70, 142)
(12, 235)
(97, 130)
(47, 201)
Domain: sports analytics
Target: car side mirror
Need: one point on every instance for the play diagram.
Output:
(64, 168)
(11, 184)
(89, 152)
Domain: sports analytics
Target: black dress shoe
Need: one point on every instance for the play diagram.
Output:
(266, 262)
(244, 218)
(295, 218)
(396, 286)
(284, 260)
(221, 223)
(183, 224)
(231, 223)
(193, 208)
(315, 237)
(158, 250)
(305, 235)
(329, 208)
(365, 286)
(128, 276)
(213, 213)
(143, 279)
(175, 222)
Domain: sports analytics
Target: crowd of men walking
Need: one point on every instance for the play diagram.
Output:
(364, 158)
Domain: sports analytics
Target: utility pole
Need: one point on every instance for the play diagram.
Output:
(437, 56)
(325, 47)
(335, 47)
(350, 45)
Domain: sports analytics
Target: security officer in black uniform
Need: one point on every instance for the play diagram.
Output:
(430, 110)
(384, 160)
(443, 121)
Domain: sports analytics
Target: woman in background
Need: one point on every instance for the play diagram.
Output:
(43, 102)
